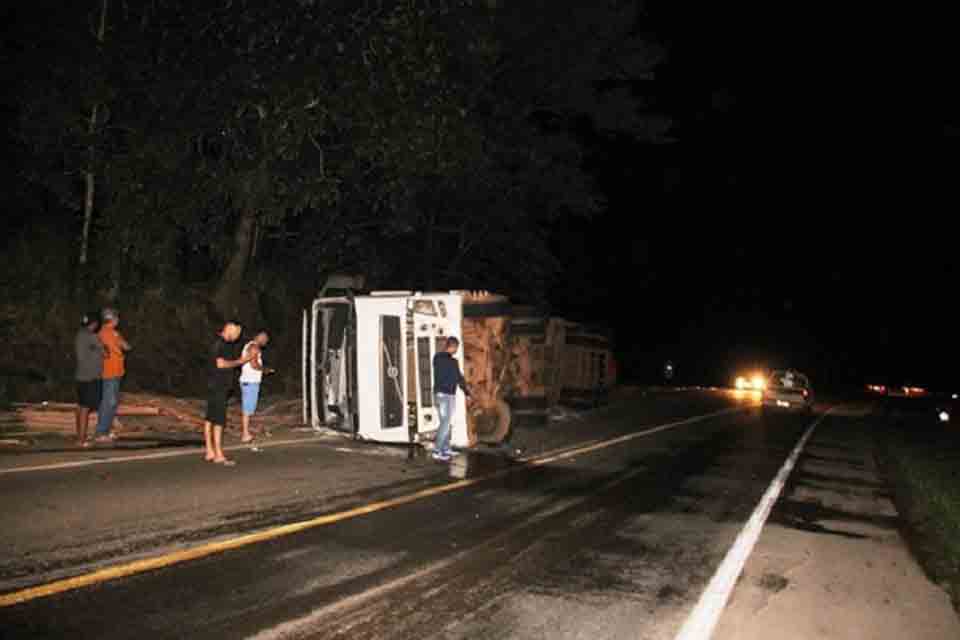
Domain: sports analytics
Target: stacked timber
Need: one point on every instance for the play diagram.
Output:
(486, 355)
(60, 416)
(187, 414)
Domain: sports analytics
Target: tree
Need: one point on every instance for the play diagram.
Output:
(437, 140)
(64, 107)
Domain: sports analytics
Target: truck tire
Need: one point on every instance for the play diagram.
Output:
(502, 424)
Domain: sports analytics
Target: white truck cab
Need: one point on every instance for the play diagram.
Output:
(368, 364)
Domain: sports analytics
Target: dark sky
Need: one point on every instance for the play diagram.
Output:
(800, 219)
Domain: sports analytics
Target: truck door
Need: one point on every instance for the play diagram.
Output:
(391, 372)
(431, 326)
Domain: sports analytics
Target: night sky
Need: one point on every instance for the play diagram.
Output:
(798, 218)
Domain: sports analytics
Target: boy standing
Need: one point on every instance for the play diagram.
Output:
(251, 376)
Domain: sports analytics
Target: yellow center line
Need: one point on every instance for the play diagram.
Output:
(201, 551)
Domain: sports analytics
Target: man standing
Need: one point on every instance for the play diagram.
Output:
(89, 352)
(114, 350)
(221, 363)
(251, 375)
(446, 379)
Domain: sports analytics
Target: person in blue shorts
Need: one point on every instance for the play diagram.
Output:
(251, 377)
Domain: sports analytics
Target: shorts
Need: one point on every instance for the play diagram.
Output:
(249, 394)
(89, 393)
(216, 407)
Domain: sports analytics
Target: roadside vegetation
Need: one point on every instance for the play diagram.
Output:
(186, 162)
(923, 462)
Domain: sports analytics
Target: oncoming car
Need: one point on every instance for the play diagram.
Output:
(755, 382)
(788, 390)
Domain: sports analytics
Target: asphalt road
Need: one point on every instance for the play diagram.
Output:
(617, 542)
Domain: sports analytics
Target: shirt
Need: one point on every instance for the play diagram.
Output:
(248, 374)
(113, 359)
(221, 378)
(446, 375)
(89, 352)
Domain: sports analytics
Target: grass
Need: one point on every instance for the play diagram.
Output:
(923, 461)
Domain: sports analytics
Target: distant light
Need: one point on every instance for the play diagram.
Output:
(781, 403)
(944, 416)
(954, 396)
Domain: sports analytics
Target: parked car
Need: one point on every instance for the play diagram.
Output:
(788, 390)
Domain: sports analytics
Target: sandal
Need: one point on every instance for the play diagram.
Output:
(226, 462)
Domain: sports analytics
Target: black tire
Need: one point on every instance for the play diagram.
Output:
(502, 429)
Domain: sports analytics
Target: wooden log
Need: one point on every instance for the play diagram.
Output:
(64, 408)
(39, 416)
(181, 416)
(486, 354)
(52, 406)
(137, 410)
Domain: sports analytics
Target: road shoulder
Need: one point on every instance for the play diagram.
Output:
(832, 562)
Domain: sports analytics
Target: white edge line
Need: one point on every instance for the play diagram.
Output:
(185, 451)
(702, 621)
(192, 451)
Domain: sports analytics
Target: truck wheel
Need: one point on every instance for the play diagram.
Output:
(502, 424)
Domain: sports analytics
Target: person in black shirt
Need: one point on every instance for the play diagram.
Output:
(446, 379)
(221, 362)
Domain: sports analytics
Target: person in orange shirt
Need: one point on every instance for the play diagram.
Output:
(114, 353)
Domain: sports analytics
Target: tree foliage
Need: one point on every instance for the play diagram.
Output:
(426, 143)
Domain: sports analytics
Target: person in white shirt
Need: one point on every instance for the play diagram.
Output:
(251, 375)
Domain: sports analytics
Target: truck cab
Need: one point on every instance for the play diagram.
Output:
(368, 364)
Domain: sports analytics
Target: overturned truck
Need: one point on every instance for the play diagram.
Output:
(368, 364)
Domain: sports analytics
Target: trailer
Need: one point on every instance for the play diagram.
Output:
(589, 368)
(536, 364)
(368, 364)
